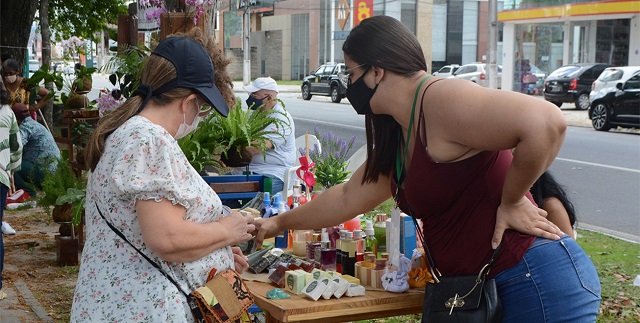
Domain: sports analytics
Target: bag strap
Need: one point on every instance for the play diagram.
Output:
(401, 175)
(196, 313)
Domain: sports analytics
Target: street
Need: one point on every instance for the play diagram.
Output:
(599, 170)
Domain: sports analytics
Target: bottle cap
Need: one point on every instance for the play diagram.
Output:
(357, 234)
(381, 217)
(369, 227)
(266, 199)
(325, 235)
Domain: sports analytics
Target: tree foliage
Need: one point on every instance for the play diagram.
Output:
(83, 18)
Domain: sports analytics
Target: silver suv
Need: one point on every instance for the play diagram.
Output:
(476, 73)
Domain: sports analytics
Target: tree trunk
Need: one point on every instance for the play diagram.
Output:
(45, 31)
(16, 19)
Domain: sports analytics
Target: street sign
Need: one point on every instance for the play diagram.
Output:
(363, 10)
(342, 13)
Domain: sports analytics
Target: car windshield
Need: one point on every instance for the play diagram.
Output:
(566, 71)
(610, 75)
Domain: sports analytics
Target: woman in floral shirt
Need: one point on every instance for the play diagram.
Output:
(144, 186)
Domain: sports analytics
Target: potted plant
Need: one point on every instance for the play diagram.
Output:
(76, 98)
(64, 190)
(331, 163)
(229, 137)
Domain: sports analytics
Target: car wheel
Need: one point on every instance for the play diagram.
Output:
(582, 103)
(335, 96)
(600, 117)
(558, 104)
(306, 92)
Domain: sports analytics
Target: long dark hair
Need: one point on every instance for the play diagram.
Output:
(386, 43)
(546, 186)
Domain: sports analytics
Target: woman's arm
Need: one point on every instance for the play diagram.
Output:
(334, 206)
(174, 239)
(558, 214)
(42, 92)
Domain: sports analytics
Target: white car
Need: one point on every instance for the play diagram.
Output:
(476, 73)
(609, 78)
(447, 70)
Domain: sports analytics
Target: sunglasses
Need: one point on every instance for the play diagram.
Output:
(203, 110)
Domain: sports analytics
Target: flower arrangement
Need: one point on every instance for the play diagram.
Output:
(330, 164)
(74, 45)
(157, 7)
(109, 101)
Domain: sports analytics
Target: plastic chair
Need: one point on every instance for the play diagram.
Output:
(300, 143)
(357, 159)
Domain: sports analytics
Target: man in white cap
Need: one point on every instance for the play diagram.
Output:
(281, 150)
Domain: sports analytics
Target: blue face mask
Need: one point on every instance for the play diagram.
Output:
(255, 103)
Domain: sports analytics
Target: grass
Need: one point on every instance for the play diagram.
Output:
(617, 262)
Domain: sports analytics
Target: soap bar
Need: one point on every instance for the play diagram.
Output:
(355, 290)
(314, 289)
(294, 281)
(277, 277)
(317, 274)
(341, 286)
(351, 279)
(331, 288)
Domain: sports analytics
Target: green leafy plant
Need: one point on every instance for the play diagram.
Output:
(84, 78)
(64, 187)
(44, 74)
(331, 162)
(217, 135)
(126, 68)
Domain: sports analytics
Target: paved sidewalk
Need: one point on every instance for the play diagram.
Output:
(12, 310)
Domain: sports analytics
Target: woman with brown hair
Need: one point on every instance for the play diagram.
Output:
(143, 190)
(441, 148)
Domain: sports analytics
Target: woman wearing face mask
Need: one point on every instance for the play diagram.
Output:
(19, 90)
(441, 147)
(143, 185)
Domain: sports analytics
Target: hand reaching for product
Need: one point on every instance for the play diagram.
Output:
(239, 227)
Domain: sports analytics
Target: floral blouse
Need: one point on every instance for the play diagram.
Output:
(141, 161)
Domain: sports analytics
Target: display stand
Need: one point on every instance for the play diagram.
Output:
(70, 117)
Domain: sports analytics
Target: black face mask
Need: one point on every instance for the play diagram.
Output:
(359, 94)
(254, 103)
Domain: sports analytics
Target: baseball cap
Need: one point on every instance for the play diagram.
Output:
(262, 83)
(194, 70)
(20, 110)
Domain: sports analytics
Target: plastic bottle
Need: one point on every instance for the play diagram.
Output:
(265, 212)
(371, 242)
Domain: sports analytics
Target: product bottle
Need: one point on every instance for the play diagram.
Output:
(371, 242)
(327, 254)
(265, 212)
(349, 247)
(380, 231)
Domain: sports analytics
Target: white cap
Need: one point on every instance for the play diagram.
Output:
(369, 228)
(262, 83)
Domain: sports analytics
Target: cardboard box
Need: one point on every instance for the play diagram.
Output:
(407, 235)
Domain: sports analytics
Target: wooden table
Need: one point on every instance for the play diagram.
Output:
(374, 304)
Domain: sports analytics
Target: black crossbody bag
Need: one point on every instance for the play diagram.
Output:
(471, 298)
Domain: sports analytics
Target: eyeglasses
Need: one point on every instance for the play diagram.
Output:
(203, 110)
(347, 74)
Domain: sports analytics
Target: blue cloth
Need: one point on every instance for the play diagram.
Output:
(38, 145)
(554, 282)
(3, 200)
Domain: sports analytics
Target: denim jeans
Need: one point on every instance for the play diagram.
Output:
(554, 282)
(3, 201)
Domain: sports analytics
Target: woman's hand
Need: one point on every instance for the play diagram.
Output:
(239, 260)
(526, 218)
(266, 228)
(238, 227)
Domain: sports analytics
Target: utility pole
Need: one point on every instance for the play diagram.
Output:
(493, 45)
(246, 68)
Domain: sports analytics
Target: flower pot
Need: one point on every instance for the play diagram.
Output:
(81, 113)
(173, 22)
(235, 158)
(62, 213)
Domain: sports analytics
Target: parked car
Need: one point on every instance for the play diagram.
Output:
(34, 65)
(476, 73)
(609, 78)
(328, 80)
(446, 70)
(572, 83)
(69, 69)
(618, 107)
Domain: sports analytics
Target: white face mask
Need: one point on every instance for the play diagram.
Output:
(11, 78)
(184, 129)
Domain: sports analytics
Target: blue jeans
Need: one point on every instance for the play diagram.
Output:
(3, 201)
(554, 282)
